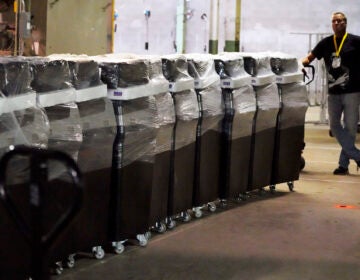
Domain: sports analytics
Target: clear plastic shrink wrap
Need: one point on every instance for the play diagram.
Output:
(257, 64)
(265, 129)
(269, 103)
(22, 122)
(49, 74)
(15, 76)
(175, 70)
(56, 94)
(282, 63)
(165, 117)
(291, 119)
(207, 82)
(138, 115)
(240, 110)
(241, 101)
(84, 71)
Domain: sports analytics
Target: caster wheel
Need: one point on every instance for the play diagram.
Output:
(198, 213)
(223, 203)
(70, 262)
(98, 253)
(272, 189)
(58, 269)
(185, 217)
(143, 241)
(161, 228)
(211, 207)
(291, 186)
(119, 248)
(148, 235)
(243, 197)
(170, 224)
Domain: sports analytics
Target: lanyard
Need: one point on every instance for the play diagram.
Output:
(337, 51)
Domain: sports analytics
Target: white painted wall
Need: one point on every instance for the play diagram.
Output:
(131, 35)
(266, 25)
(271, 24)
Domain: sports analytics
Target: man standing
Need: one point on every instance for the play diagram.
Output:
(341, 53)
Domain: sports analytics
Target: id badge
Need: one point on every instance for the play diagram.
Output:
(336, 62)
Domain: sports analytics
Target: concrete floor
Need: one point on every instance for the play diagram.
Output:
(311, 233)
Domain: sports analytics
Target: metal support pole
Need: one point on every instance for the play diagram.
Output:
(181, 26)
(214, 27)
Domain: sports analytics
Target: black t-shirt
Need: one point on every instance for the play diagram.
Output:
(346, 77)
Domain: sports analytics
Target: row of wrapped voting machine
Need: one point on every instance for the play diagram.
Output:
(154, 136)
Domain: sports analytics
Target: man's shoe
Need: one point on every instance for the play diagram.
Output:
(341, 171)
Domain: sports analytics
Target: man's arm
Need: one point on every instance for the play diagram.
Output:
(308, 59)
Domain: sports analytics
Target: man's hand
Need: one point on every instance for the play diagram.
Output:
(308, 59)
